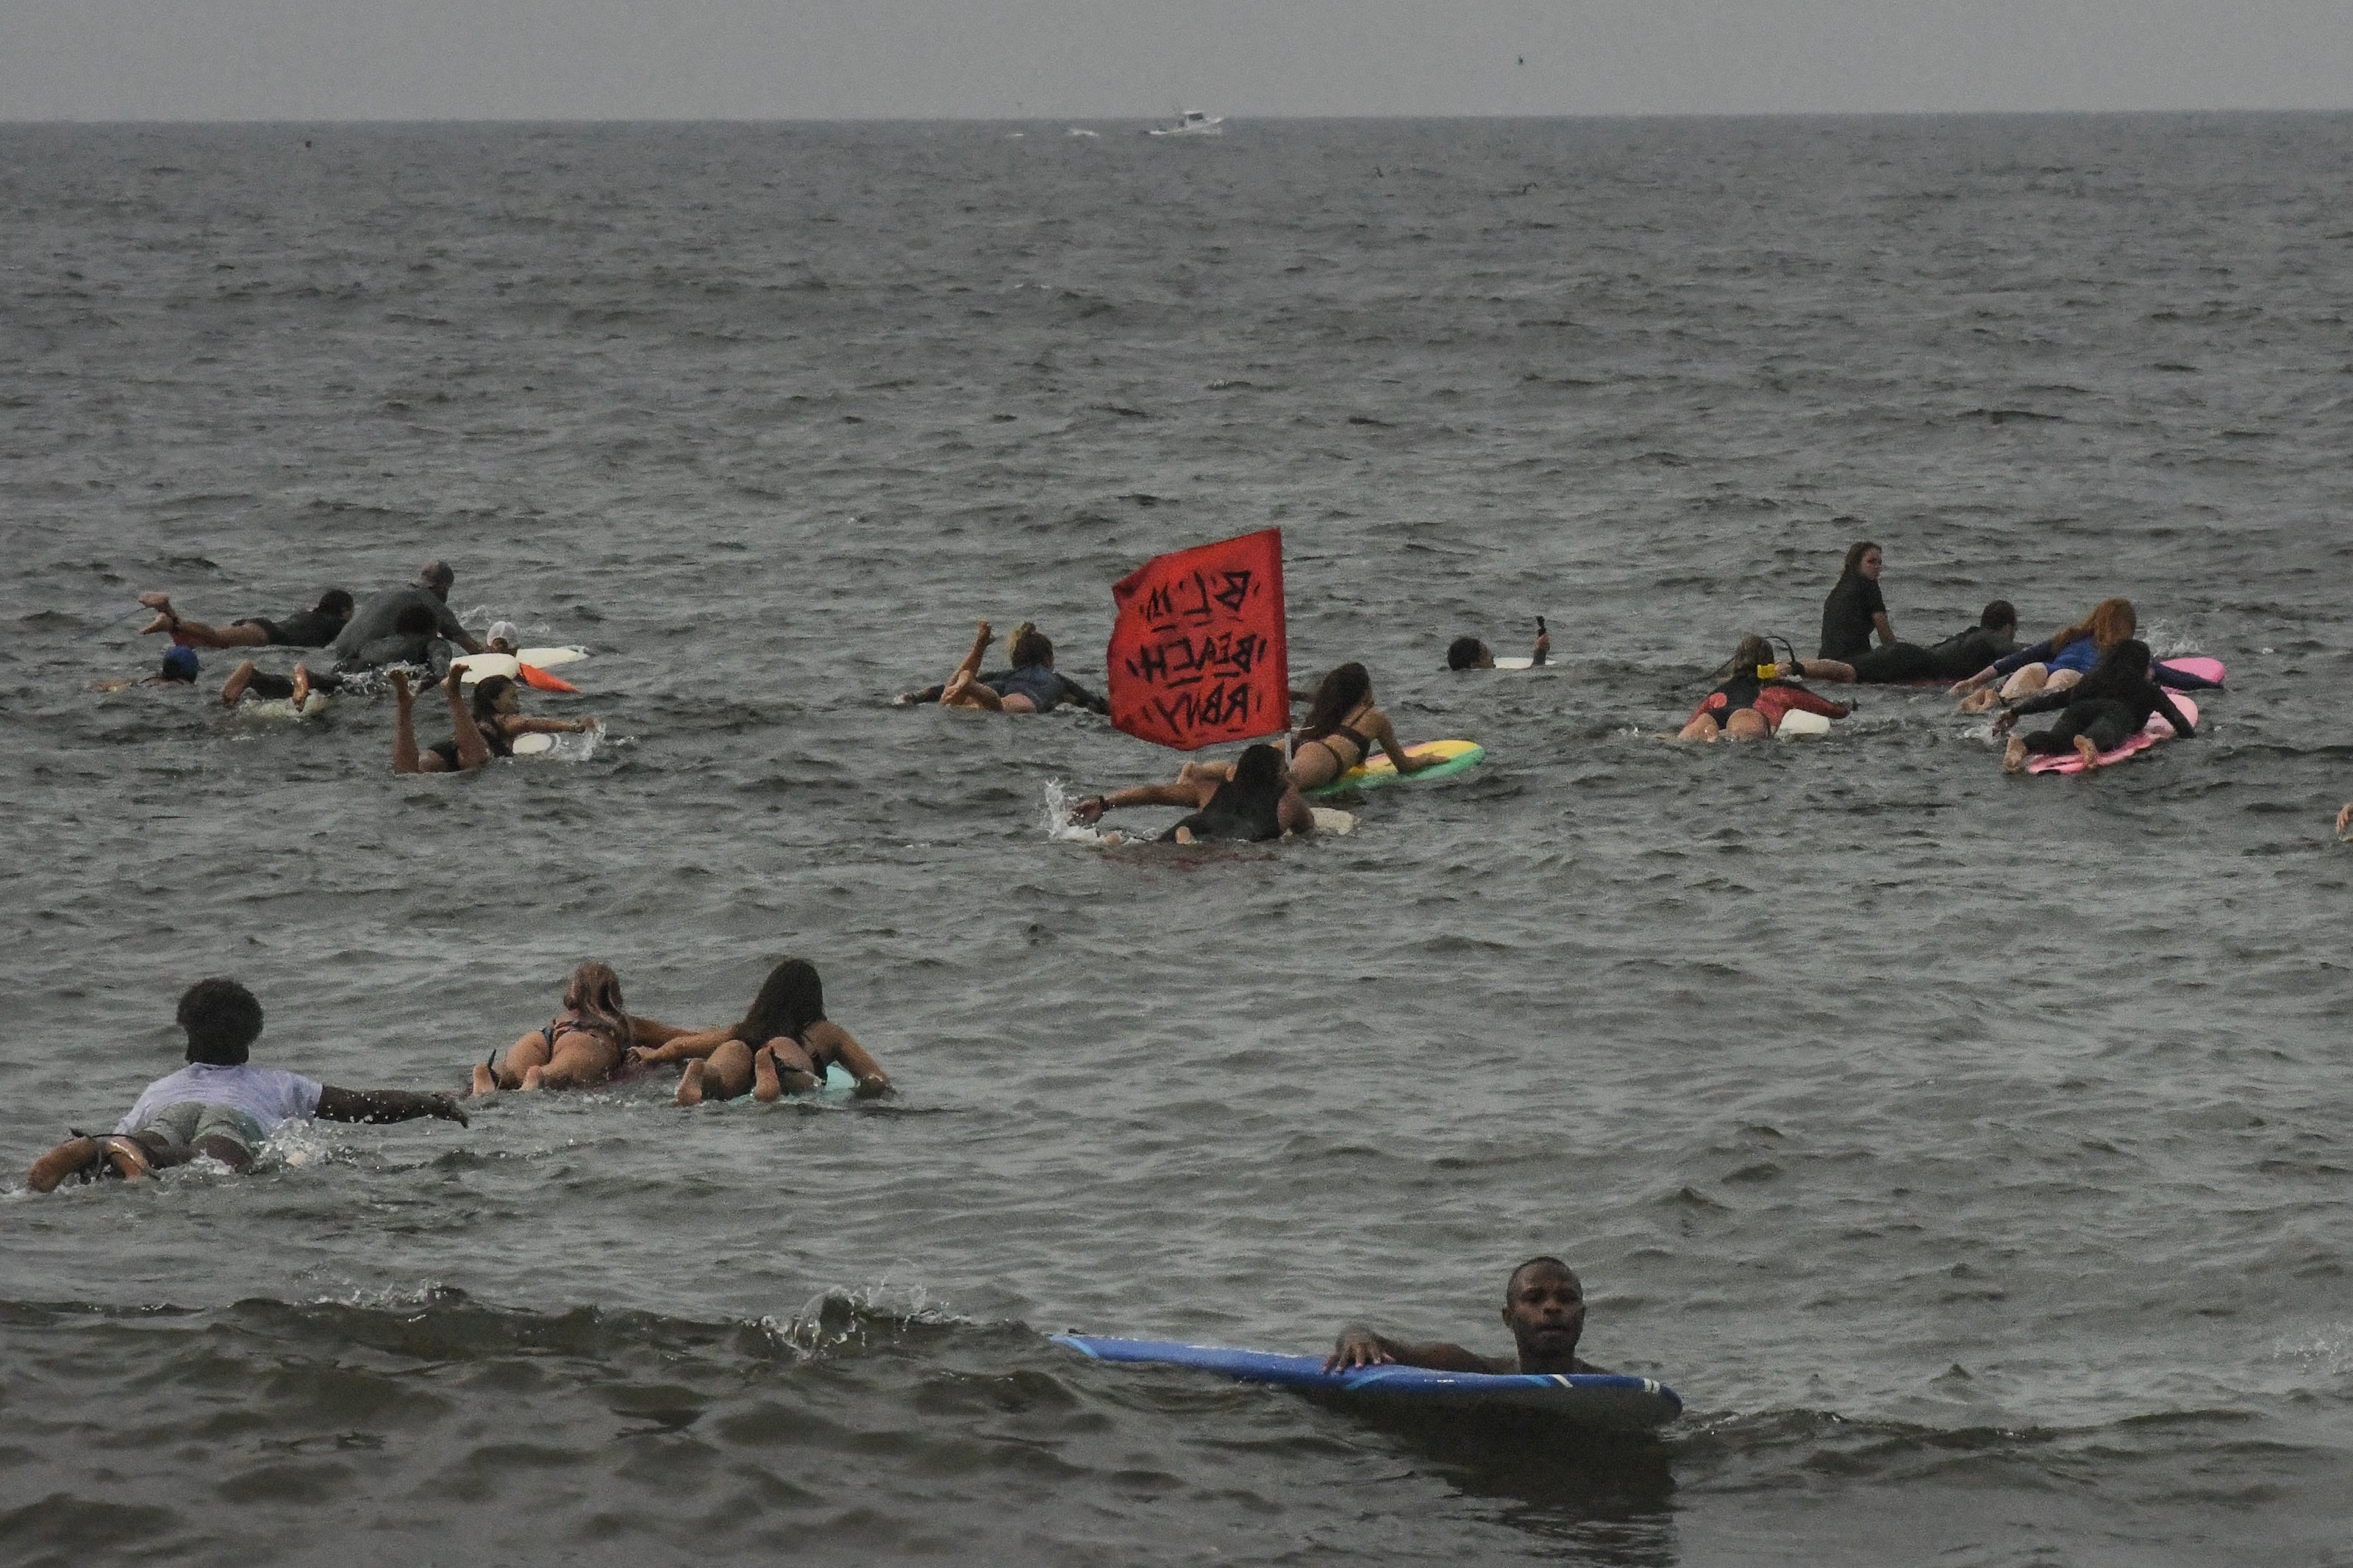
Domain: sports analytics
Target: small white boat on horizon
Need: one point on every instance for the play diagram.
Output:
(1192, 123)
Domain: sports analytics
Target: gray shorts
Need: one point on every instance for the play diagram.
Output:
(190, 1123)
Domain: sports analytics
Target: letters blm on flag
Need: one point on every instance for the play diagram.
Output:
(1197, 652)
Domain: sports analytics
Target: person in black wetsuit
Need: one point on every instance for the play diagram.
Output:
(380, 617)
(1855, 609)
(1957, 658)
(1248, 800)
(415, 639)
(1032, 686)
(314, 628)
(2096, 713)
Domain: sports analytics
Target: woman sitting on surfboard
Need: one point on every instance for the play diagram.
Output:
(583, 1045)
(487, 730)
(783, 1046)
(2097, 714)
(1248, 800)
(1752, 703)
(1962, 653)
(1341, 729)
(1032, 686)
(2062, 660)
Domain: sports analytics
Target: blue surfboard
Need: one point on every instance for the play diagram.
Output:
(1611, 1401)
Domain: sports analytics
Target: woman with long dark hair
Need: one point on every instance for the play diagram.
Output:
(583, 1045)
(783, 1046)
(1855, 609)
(487, 730)
(1341, 729)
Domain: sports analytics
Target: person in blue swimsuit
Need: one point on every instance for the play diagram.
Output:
(1032, 686)
(1543, 1306)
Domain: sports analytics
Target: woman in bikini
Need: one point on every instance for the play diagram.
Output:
(487, 730)
(583, 1045)
(1341, 729)
(783, 1046)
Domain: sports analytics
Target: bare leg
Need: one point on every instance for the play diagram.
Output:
(689, 1084)
(1747, 725)
(404, 734)
(525, 1054)
(581, 1061)
(70, 1158)
(2028, 680)
(1702, 727)
(2060, 679)
(301, 695)
(2089, 750)
(234, 687)
(727, 1071)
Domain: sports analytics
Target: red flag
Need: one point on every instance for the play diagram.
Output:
(1196, 651)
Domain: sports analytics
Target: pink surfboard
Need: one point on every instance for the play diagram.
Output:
(2150, 734)
(2203, 668)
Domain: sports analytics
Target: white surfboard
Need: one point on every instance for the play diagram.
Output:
(473, 667)
(1797, 722)
(1520, 663)
(1328, 820)
(533, 745)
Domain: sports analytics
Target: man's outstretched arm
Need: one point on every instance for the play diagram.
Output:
(385, 1105)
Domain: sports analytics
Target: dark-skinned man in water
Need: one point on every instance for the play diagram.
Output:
(1543, 1306)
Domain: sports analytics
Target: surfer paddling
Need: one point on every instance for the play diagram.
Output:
(381, 616)
(584, 1045)
(1543, 1306)
(1760, 693)
(488, 729)
(783, 1046)
(1341, 729)
(1248, 800)
(313, 627)
(220, 1106)
(2097, 714)
(1032, 686)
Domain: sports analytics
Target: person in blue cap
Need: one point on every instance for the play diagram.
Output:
(179, 668)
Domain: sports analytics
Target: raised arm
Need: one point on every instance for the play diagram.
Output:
(1295, 814)
(384, 1105)
(1359, 1346)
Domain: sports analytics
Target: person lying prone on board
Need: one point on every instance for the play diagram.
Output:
(1543, 1306)
(1248, 800)
(583, 1045)
(1749, 706)
(1032, 686)
(220, 1105)
(2096, 714)
(487, 731)
(783, 1046)
(1341, 729)
(314, 628)
(1469, 653)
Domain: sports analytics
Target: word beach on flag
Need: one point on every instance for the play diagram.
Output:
(1197, 652)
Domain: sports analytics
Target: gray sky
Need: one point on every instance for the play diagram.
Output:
(629, 59)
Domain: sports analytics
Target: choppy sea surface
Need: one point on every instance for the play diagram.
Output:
(1972, 1153)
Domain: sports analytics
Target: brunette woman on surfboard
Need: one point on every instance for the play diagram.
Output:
(1750, 704)
(1341, 729)
(783, 1046)
(584, 1045)
(487, 730)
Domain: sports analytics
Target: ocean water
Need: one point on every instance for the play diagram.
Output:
(1972, 1153)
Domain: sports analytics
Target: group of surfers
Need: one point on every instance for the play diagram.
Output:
(222, 1106)
(392, 633)
(2095, 673)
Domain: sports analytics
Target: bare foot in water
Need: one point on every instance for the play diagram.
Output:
(765, 1086)
(485, 1082)
(690, 1086)
(530, 1078)
(2013, 756)
(301, 695)
(234, 687)
(2088, 752)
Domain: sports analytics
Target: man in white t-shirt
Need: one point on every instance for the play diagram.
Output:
(219, 1105)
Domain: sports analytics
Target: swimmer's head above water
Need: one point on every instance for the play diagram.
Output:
(1862, 560)
(495, 695)
(1469, 653)
(436, 579)
(223, 1019)
(1029, 647)
(504, 636)
(1543, 1306)
(1999, 616)
(179, 665)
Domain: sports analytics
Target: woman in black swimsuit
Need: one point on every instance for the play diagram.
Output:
(583, 1045)
(1248, 800)
(1341, 729)
(783, 1046)
(489, 731)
